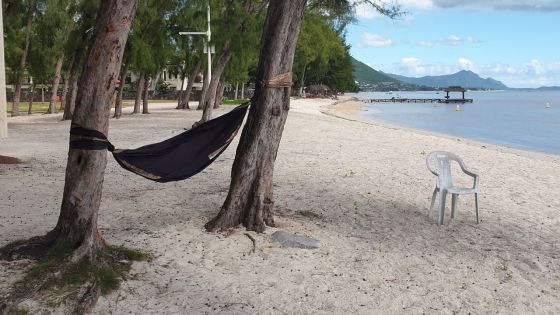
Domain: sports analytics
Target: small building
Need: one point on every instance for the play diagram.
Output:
(455, 88)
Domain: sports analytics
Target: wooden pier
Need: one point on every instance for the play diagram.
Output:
(445, 100)
(419, 100)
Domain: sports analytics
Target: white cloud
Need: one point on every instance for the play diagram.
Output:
(366, 11)
(533, 74)
(466, 64)
(521, 5)
(451, 40)
(375, 40)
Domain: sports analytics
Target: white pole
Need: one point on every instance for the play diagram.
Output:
(3, 107)
(208, 49)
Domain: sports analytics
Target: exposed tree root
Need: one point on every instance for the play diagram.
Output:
(62, 269)
(252, 240)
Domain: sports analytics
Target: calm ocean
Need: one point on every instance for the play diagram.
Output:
(515, 119)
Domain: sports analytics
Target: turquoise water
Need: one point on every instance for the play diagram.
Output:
(515, 119)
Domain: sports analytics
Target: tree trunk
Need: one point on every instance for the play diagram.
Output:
(243, 90)
(30, 109)
(250, 198)
(22, 61)
(204, 90)
(64, 92)
(187, 95)
(213, 86)
(77, 223)
(56, 80)
(71, 101)
(181, 92)
(302, 82)
(119, 102)
(236, 89)
(220, 94)
(139, 89)
(145, 96)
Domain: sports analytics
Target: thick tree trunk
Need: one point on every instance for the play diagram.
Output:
(139, 89)
(250, 198)
(22, 61)
(220, 94)
(56, 80)
(77, 223)
(204, 90)
(302, 82)
(190, 83)
(145, 96)
(64, 93)
(210, 98)
(236, 90)
(119, 102)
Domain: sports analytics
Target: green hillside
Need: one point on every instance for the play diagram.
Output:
(364, 74)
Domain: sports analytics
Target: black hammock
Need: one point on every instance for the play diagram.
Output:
(174, 159)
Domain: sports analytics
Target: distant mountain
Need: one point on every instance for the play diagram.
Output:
(464, 78)
(365, 74)
(371, 79)
(548, 88)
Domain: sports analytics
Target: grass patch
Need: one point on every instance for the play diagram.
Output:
(235, 102)
(128, 253)
(54, 256)
(37, 107)
(84, 271)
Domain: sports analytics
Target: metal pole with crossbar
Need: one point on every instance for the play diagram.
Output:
(208, 34)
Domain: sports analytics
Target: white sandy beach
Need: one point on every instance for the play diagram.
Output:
(359, 187)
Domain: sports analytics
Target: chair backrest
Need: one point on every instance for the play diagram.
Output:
(439, 163)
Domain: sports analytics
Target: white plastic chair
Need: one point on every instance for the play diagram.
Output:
(439, 163)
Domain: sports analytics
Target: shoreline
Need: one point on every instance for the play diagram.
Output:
(353, 109)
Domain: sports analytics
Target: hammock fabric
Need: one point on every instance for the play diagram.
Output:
(174, 159)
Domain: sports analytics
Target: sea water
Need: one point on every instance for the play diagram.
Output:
(517, 119)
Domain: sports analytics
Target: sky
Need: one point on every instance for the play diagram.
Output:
(514, 41)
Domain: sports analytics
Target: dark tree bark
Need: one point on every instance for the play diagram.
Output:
(204, 90)
(250, 198)
(219, 94)
(139, 90)
(145, 96)
(181, 92)
(74, 76)
(30, 108)
(77, 223)
(187, 95)
(210, 97)
(64, 92)
(56, 81)
(23, 59)
(119, 101)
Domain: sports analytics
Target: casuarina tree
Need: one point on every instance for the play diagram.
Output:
(76, 229)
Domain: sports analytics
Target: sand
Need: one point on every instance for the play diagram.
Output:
(361, 188)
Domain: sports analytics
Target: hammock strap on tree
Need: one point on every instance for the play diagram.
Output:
(176, 158)
(283, 80)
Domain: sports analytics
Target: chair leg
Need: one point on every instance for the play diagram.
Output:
(476, 206)
(453, 204)
(433, 200)
(442, 195)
